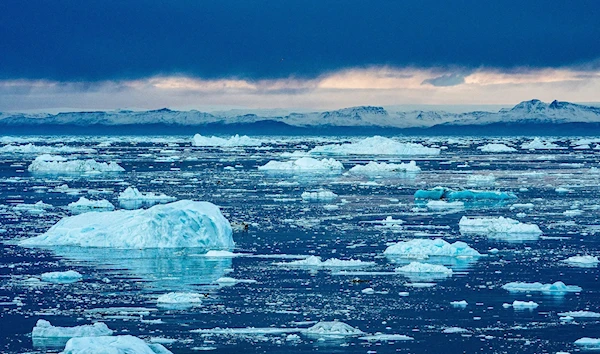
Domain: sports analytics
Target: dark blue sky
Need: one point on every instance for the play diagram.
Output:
(96, 40)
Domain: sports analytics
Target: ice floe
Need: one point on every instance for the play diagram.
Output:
(316, 262)
(132, 198)
(236, 140)
(496, 225)
(333, 328)
(590, 343)
(376, 145)
(382, 167)
(42, 149)
(424, 271)
(304, 164)
(444, 205)
(538, 144)
(557, 287)
(112, 345)
(318, 195)
(494, 147)
(524, 305)
(425, 248)
(580, 314)
(180, 299)
(69, 276)
(228, 281)
(582, 261)
(459, 304)
(184, 223)
(58, 164)
(439, 193)
(37, 208)
(84, 205)
(44, 329)
(380, 337)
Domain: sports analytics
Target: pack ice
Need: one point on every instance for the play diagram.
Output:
(112, 345)
(376, 145)
(184, 223)
(499, 225)
(235, 140)
(58, 164)
(304, 164)
(382, 167)
(44, 329)
(424, 248)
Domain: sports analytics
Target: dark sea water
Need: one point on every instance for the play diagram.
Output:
(120, 287)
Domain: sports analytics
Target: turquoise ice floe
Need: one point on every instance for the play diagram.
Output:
(439, 193)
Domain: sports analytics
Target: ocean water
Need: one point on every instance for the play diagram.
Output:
(120, 287)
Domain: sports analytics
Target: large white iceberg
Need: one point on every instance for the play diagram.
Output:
(84, 205)
(493, 225)
(43, 329)
(302, 165)
(184, 223)
(496, 148)
(58, 164)
(376, 145)
(235, 140)
(424, 248)
(382, 167)
(557, 287)
(112, 345)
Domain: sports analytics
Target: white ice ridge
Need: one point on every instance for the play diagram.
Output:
(376, 145)
(320, 194)
(496, 148)
(557, 287)
(303, 164)
(580, 314)
(133, 194)
(420, 268)
(382, 167)
(112, 345)
(496, 225)
(180, 298)
(69, 276)
(184, 223)
(582, 261)
(58, 164)
(235, 140)
(538, 144)
(43, 329)
(84, 205)
(316, 262)
(424, 248)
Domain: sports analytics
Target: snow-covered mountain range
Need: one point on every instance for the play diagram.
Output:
(527, 112)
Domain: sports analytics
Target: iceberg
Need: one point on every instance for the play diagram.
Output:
(524, 305)
(58, 164)
(333, 328)
(316, 262)
(494, 226)
(376, 145)
(592, 343)
(557, 287)
(184, 223)
(439, 193)
(444, 205)
(321, 194)
(132, 198)
(43, 329)
(235, 140)
(69, 276)
(425, 248)
(496, 148)
(417, 271)
(179, 300)
(538, 144)
(304, 164)
(582, 261)
(459, 304)
(84, 205)
(580, 314)
(37, 208)
(382, 167)
(112, 345)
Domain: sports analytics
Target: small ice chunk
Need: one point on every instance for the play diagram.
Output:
(376, 145)
(580, 314)
(538, 144)
(179, 298)
(424, 271)
(69, 276)
(316, 262)
(588, 342)
(444, 205)
(386, 337)
(522, 305)
(236, 140)
(228, 281)
(453, 330)
(460, 304)
(493, 225)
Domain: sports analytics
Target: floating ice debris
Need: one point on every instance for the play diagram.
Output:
(133, 194)
(524, 305)
(444, 205)
(460, 304)
(424, 271)
(41, 149)
(453, 330)
(481, 180)
(184, 223)
(538, 144)
(493, 225)
(112, 345)
(439, 193)
(588, 342)
(368, 291)
(235, 140)
(424, 248)
(557, 287)
(580, 314)
(386, 337)
(227, 281)
(37, 208)
(84, 205)
(382, 167)
(222, 254)
(179, 298)
(582, 261)
(333, 328)
(43, 329)
(376, 145)
(316, 262)
(304, 164)
(496, 148)
(69, 276)
(58, 164)
(321, 194)
(562, 190)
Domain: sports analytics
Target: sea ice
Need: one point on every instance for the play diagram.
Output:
(320, 194)
(58, 164)
(496, 148)
(228, 281)
(132, 198)
(304, 164)
(84, 205)
(37, 208)
(424, 271)
(179, 298)
(557, 287)
(316, 262)
(444, 205)
(376, 145)
(382, 167)
(386, 337)
(538, 144)
(235, 140)
(184, 223)
(112, 345)
(424, 248)
(333, 328)
(522, 305)
(43, 329)
(493, 225)
(69, 276)
(582, 261)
